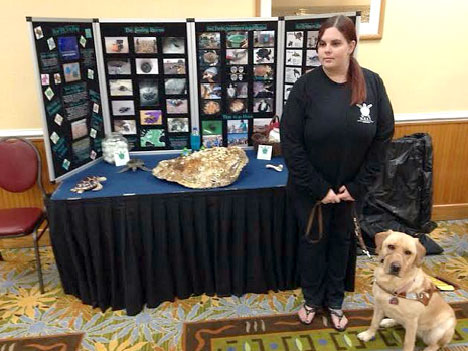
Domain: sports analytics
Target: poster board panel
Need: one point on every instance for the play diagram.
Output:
(147, 78)
(66, 69)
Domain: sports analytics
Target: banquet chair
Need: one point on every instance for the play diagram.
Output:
(20, 170)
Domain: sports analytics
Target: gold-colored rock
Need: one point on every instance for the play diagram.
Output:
(209, 168)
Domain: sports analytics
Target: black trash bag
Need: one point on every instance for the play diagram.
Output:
(401, 197)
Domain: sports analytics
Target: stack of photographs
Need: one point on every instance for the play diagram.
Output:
(147, 82)
(236, 66)
(70, 91)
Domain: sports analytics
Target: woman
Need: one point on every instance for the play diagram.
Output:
(334, 130)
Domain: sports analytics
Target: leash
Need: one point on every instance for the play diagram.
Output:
(317, 209)
(358, 232)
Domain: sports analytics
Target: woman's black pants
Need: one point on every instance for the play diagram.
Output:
(323, 265)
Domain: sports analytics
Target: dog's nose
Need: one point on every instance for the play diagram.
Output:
(395, 267)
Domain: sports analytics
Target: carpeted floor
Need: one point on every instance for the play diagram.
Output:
(24, 311)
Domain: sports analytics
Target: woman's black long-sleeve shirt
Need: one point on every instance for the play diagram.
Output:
(326, 142)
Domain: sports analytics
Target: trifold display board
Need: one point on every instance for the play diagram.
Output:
(156, 81)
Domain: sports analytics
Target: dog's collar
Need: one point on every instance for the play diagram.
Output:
(424, 296)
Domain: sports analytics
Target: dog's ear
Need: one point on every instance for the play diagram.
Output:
(379, 239)
(420, 253)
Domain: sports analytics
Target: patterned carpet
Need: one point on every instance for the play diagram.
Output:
(24, 311)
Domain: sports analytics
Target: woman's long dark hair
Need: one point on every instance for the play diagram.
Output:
(355, 75)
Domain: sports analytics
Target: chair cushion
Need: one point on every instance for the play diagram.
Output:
(19, 220)
(18, 165)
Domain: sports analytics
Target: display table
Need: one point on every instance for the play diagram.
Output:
(141, 240)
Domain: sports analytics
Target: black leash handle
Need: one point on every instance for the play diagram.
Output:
(317, 208)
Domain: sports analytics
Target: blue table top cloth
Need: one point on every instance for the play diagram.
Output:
(254, 176)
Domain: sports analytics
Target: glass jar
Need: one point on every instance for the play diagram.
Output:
(111, 144)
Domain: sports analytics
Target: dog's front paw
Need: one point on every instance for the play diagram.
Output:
(366, 336)
(388, 323)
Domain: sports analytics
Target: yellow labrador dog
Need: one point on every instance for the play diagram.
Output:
(404, 293)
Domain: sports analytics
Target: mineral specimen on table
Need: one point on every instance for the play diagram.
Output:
(209, 168)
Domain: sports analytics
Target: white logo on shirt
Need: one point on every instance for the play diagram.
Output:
(365, 113)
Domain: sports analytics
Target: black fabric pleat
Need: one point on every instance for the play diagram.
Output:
(128, 252)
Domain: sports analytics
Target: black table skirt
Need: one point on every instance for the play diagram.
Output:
(125, 252)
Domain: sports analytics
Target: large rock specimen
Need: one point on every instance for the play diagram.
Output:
(209, 168)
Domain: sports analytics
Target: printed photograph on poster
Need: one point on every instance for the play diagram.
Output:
(260, 125)
(81, 149)
(264, 38)
(209, 40)
(125, 126)
(79, 129)
(151, 117)
(51, 43)
(93, 133)
(123, 108)
(44, 79)
(145, 45)
(210, 91)
(212, 140)
(58, 119)
(294, 57)
(175, 86)
(146, 66)
(312, 58)
(237, 73)
(237, 106)
(173, 45)
(262, 72)
(210, 74)
(287, 90)
(263, 105)
(152, 138)
(174, 66)
(264, 89)
(264, 55)
(178, 106)
(312, 39)
(237, 56)
(178, 125)
(237, 90)
(239, 139)
(49, 93)
(68, 48)
(121, 87)
(149, 92)
(294, 39)
(83, 41)
(212, 128)
(71, 71)
(118, 66)
(57, 78)
(116, 45)
(237, 39)
(210, 107)
(38, 32)
(291, 74)
(208, 57)
(54, 137)
(237, 126)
